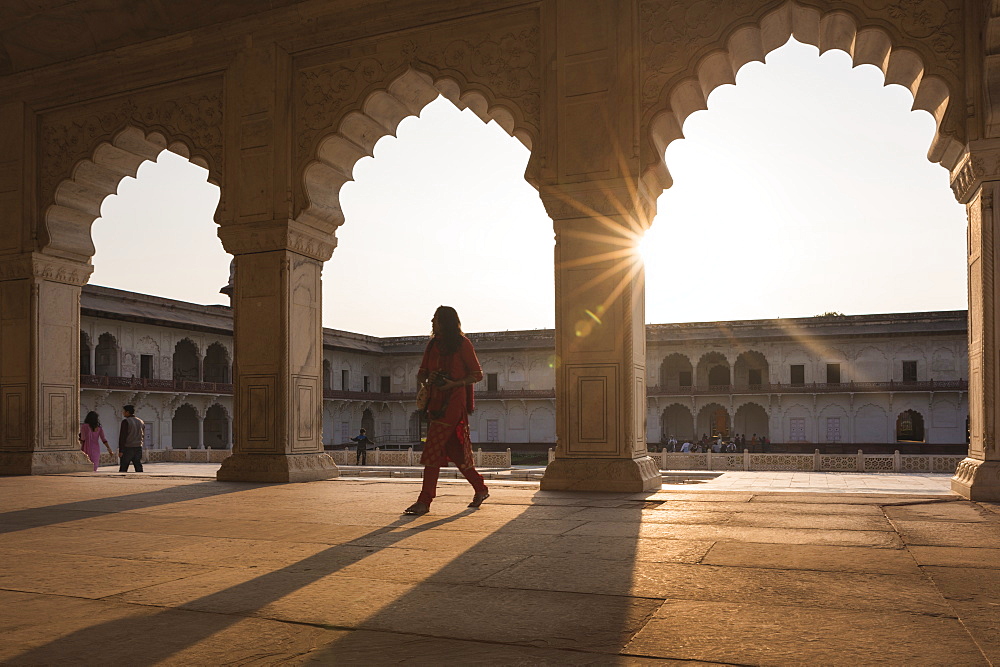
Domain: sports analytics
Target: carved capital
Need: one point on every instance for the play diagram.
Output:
(980, 164)
(251, 237)
(35, 265)
(590, 200)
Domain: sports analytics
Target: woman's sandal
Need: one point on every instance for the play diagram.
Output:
(478, 499)
(417, 508)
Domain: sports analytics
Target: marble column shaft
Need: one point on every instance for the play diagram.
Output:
(587, 169)
(976, 182)
(40, 365)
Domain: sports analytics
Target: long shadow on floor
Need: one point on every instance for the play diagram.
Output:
(51, 515)
(141, 638)
(545, 586)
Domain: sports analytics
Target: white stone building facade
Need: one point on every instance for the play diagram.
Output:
(871, 379)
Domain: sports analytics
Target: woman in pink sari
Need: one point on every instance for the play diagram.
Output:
(449, 368)
(91, 435)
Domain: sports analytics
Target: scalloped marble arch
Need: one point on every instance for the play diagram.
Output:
(78, 198)
(835, 30)
(380, 115)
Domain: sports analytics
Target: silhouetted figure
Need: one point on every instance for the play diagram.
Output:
(449, 368)
(130, 440)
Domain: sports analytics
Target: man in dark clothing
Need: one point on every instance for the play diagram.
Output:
(130, 440)
(362, 442)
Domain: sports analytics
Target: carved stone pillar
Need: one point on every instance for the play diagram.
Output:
(976, 182)
(277, 329)
(587, 169)
(40, 364)
(277, 364)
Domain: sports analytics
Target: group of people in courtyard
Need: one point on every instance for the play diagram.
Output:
(718, 444)
(448, 370)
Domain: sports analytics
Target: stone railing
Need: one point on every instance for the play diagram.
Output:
(153, 384)
(333, 394)
(376, 457)
(815, 462)
(150, 455)
(409, 457)
(812, 388)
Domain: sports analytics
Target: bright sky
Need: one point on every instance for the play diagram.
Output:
(805, 188)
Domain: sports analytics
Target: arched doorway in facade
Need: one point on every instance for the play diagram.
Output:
(676, 372)
(184, 428)
(677, 421)
(910, 426)
(186, 361)
(107, 356)
(218, 366)
(368, 422)
(713, 371)
(542, 425)
(85, 345)
(750, 370)
(713, 420)
(416, 427)
(751, 419)
(216, 428)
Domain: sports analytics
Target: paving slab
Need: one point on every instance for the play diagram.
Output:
(82, 576)
(812, 557)
(790, 506)
(956, 557)
(756, 634)
(945, 534)
(975, 595)
(952, 512)
(367, 647)
(862, 591)
(102, 633)
(740, 534)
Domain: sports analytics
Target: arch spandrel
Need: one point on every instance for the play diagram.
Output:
(343, 107)
(690, 47)
(86, 150)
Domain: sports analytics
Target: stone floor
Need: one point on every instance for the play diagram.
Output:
(148, 570)
(826, 482)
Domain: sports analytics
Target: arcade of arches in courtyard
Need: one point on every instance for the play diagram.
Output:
(280, 121)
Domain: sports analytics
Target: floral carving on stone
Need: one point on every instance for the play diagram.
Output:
(68, 136)
(505, 66)
(676, 34)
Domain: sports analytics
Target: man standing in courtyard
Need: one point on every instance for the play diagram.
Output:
(130, 439)
(362, 441)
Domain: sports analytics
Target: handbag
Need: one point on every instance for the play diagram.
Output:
(423, 396)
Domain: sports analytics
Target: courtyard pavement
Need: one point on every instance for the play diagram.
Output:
(108, 569)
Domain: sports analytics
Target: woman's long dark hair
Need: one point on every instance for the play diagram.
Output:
(92, 420)
(450, 338)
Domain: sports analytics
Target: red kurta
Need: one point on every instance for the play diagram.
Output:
(449, 410)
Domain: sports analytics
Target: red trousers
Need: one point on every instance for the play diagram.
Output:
(431, 473)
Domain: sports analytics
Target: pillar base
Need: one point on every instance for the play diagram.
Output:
(44, 463)
(622, 475)
(977, 480)
(277, 468)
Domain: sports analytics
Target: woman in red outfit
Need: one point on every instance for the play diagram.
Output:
(449, 368)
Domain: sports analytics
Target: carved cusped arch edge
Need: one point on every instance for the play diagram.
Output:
(673, 402)
(335, 154)
(837, 30)
(77, 200)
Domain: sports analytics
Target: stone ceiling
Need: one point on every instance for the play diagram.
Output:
(35, 33)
